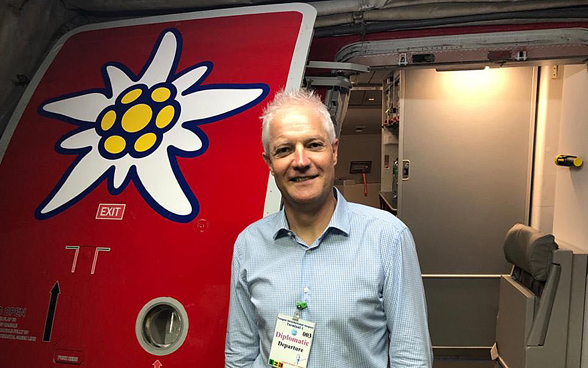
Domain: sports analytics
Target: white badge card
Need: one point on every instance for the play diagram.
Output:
(291, 343)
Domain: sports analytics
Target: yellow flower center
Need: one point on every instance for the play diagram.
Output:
(145, 142)
(136, 122)
(136, 118)
(108, 120)
(131, 96)
(115, 144)
(160, 94)
(165, 116)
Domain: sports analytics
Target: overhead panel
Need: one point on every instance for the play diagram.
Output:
(475, 50)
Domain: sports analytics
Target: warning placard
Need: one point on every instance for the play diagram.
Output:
(9, 329)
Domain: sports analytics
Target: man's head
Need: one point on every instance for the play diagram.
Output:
(298, 97)
(300, 147)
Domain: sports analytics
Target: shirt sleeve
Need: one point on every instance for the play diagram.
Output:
(242, 340)
(405, 305)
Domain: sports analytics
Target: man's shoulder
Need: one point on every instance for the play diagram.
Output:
(264, 225)
(374, 216)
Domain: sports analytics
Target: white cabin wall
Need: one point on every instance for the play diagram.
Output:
(546, 143)
(570, 219)
(560, 194)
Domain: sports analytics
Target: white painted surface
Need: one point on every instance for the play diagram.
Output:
(547, 140)
(570, 220)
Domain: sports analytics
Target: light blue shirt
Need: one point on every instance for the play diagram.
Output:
(361, 280)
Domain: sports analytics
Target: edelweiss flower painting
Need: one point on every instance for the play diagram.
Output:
(134, 127)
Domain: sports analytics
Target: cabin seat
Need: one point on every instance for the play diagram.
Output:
(534, 301)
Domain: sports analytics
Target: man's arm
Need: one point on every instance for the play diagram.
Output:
(405, 305)
(242, 340)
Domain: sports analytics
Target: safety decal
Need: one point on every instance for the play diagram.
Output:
(108, 211)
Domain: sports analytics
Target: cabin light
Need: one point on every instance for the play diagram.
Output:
(474, 86)
(371, 99)
(461, 68)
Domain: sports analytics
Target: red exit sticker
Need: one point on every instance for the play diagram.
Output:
(110, 211)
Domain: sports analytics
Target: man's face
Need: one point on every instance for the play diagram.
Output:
(301, 156)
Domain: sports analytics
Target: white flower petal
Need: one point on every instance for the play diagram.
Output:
(120, 173)
(190, 78)
(83, 139)
(209, 103)
(160, 182)
(183, 139)
(85, 107)
(119, 80)
(84, 174)
(162, 62)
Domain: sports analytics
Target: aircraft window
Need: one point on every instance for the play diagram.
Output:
(162, 326)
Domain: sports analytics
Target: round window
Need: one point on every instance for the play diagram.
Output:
(162, 326)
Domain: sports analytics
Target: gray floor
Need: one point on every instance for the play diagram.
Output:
(450, 363)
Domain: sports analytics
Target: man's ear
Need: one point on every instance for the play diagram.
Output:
(267, 161)
(335, 146)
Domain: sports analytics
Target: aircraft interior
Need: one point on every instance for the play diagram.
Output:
(490, 135)
(469, 125)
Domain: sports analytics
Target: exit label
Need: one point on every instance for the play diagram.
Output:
(110, 211)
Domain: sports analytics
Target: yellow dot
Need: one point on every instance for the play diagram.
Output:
(160, 94)
(165, 116)
(136, 118)
(108, 120)
(131, 96)
(145, 142)
(115, 144)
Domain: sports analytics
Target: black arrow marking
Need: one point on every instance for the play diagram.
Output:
(51, 312)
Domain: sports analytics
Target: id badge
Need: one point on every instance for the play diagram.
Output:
(291, 343)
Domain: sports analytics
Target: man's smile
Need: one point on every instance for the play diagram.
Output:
(299, 179)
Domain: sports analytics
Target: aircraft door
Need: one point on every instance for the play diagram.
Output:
(128, 169)
(465, 158)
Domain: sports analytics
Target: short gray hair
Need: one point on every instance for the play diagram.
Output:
(297, 97)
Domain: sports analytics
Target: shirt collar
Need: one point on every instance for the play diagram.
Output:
(339, 219)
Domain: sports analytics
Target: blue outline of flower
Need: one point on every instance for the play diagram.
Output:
(172, 151)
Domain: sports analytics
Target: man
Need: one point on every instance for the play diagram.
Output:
(351, 271)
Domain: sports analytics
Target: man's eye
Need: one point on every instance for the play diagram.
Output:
(316, 145)
(281, 151)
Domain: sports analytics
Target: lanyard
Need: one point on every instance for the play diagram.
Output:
(299, 307)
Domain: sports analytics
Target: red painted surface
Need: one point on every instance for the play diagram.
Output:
(150, 256)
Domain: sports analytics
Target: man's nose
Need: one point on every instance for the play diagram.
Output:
(301, 159)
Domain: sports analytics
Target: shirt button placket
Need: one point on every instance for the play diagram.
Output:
(306, 278)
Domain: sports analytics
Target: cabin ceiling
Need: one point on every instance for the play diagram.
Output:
(364, 115)
(367, 89)
(349, 5)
